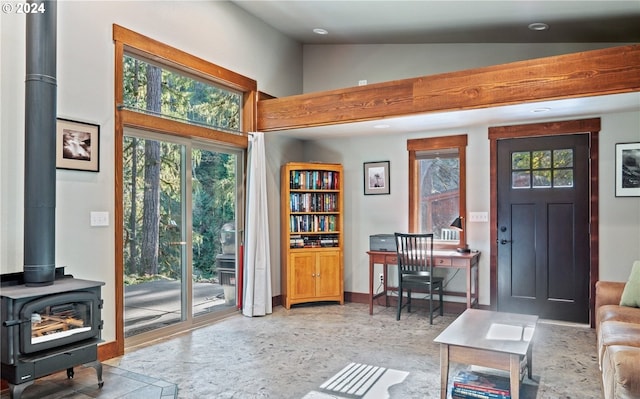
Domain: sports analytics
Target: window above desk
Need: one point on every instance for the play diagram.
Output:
(437, 187)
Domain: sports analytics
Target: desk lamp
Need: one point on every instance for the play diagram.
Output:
(459, 225)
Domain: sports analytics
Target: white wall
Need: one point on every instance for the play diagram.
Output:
(619, 216)
(216, 31)
(366, 215)
(328, 67)
(279, 150)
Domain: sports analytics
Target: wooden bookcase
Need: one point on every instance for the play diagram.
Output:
(312, 240)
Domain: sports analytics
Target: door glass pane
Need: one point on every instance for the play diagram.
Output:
(541, 178)
(535, 169)
(563, 178)
(154, 247)
(213, 214)
(562, 158)
(520, 180)
(521, 160)
(541, 159)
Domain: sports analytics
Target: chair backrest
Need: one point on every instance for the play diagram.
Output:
(415, 253)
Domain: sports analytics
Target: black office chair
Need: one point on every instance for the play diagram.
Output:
(415, 271)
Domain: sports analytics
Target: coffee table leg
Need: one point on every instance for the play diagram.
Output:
(530, 361)
(444, 370)
(514, 376)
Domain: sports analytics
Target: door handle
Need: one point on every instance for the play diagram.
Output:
(503, 241)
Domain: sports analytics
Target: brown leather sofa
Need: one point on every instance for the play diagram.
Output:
(618, 335)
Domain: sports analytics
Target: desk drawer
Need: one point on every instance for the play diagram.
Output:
(442, 261)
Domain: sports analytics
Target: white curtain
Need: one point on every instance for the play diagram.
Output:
(257, 259)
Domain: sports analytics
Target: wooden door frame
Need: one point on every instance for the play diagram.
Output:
(582, 126)
(128, 41)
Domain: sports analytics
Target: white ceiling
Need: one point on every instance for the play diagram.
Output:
(479, 21)
(431, 21)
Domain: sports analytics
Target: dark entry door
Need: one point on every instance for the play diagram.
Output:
(543, 227)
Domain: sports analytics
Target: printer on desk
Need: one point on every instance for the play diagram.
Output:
(382, 242)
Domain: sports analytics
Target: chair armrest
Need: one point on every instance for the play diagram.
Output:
(608, 293)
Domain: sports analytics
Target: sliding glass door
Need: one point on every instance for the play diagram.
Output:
(180, 202)
(214, 198)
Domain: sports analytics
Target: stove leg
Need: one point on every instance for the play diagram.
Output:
(98, 366)
(16, 390)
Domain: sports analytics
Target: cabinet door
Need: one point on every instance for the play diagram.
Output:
(328, 280)
(302, 277)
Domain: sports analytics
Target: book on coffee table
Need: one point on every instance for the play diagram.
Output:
(470, 384)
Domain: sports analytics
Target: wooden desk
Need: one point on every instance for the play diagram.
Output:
(447, 259)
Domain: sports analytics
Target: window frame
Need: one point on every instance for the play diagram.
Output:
(129, 42)
(414, 146)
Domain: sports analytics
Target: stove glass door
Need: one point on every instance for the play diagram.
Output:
(57, 320)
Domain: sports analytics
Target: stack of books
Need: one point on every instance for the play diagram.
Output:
(474, 385)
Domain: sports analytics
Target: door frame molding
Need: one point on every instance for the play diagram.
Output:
(581, 126)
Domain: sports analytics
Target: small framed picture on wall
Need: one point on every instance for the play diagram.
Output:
(376, 178)
(628, 170)
(77, 145)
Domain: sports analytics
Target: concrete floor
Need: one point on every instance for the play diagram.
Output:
(292, 353)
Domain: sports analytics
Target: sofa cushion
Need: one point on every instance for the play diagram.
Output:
(617, 333)
(621, 372)
(631, 292)
(618, 313)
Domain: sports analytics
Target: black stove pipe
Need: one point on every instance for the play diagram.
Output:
(40, 148)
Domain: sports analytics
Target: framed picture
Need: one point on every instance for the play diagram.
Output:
(628, 170)
(376, 178)
(77, 145)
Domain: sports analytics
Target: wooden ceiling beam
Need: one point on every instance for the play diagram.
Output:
(590, 73)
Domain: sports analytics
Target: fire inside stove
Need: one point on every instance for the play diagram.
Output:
(55, 322)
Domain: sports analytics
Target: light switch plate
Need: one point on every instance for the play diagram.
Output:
(99, 218)
(478, 216)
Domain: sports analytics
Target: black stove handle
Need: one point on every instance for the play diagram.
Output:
(11, 323)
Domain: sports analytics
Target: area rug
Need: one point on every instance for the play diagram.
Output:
(359, 381)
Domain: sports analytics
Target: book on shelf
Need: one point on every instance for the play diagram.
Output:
(494, 386)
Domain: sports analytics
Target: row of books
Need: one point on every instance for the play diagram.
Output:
(313, 241)
(313, 202)
(475, 385)
(313, 180)
(312, 223)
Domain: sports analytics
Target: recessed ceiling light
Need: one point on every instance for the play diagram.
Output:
(381, 126)
(541, 109)
(320, 31)
(538, 26)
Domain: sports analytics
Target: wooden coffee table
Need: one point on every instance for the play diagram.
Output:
(489, 339)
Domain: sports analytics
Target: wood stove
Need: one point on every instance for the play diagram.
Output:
(47, 329)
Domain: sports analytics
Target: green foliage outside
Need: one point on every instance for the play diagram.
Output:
(183, 97)
(213, 178)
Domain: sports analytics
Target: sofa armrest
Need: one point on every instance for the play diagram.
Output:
(608, 293)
